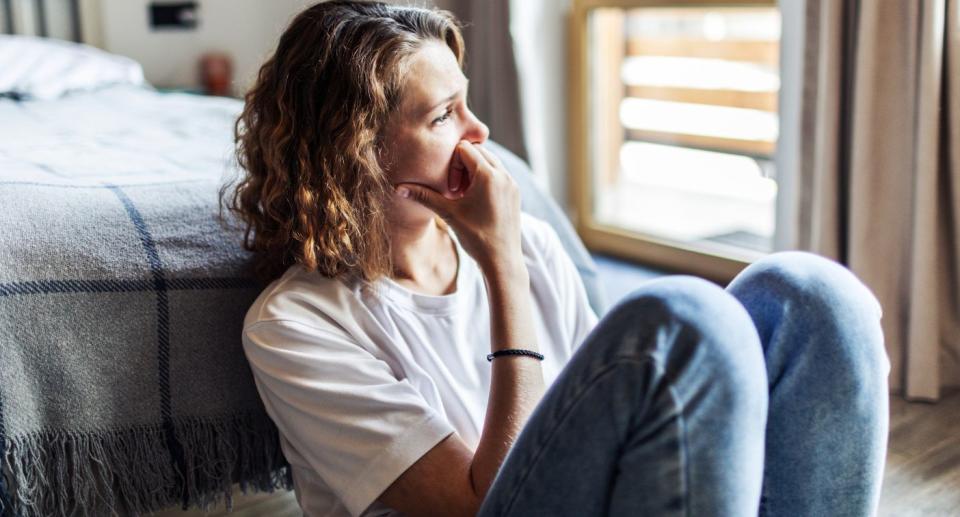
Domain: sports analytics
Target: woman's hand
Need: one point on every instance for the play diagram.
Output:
(486, 213)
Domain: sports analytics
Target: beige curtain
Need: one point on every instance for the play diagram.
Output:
(879, 185)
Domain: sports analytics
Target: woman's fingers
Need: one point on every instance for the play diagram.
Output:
(490, 157)
(425, 196)
(472, 158)
(472, 161)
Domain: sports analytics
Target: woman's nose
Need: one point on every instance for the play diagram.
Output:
(475, 131)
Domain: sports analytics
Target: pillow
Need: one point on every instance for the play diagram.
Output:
(40, 68)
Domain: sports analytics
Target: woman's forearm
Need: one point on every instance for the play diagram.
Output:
(517, 383)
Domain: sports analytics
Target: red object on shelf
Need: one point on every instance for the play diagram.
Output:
(216, 73)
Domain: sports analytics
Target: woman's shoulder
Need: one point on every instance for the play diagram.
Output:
(538, 238)
(304, 297)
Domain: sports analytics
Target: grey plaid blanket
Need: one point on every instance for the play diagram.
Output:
(123, 384)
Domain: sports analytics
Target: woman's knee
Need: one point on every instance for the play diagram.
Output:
(681, 320)
(816, 295)
(809, 277)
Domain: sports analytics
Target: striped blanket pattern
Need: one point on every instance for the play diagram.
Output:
(123, 384)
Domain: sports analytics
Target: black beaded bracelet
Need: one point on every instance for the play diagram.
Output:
(514, 351)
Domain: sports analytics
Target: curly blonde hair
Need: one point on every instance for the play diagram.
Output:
(314, 191)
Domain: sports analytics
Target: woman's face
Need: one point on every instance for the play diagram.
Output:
(420, 138)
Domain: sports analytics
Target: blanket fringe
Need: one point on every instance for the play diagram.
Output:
(131, 471)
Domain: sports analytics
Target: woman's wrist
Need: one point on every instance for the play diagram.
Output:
(508, 289)
(505, 270)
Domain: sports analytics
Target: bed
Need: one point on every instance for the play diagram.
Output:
(123, 385)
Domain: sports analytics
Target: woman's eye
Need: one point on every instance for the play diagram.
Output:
(443, 118)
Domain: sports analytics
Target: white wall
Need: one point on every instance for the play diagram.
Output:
(246, 29)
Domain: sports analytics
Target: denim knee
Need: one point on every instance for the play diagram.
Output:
(706, 324)
(821, 295)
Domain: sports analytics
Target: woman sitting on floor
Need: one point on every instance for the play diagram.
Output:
(398, 258)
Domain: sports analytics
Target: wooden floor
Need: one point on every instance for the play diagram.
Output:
(922, 476)
(255, 505)
(923, 459)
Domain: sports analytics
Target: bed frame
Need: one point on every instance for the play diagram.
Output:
(32, 17)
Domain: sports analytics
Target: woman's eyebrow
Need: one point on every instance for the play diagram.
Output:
(449, 98)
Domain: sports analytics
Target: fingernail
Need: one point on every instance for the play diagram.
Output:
(403, 191)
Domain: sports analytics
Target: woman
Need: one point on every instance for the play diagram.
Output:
(398, 258)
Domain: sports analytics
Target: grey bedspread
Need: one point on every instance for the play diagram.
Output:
(123, 384)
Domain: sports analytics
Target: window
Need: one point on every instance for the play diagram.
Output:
(674, 128)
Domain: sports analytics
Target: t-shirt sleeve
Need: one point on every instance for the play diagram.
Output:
(341, 408)
(577, 312)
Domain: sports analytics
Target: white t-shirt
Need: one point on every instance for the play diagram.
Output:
(361, 384)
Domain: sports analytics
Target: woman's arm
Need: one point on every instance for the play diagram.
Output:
(486, 218)
(517, 383)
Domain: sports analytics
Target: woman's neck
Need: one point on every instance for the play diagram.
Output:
(424, 258)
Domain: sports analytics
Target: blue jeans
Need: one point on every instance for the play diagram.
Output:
(768, 397)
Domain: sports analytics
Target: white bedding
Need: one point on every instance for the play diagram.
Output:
(47, 68)
(122, 134)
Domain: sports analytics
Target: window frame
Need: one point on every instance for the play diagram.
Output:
(719, 265)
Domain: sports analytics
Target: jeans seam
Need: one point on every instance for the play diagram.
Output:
(682, 422)
(566, 413)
